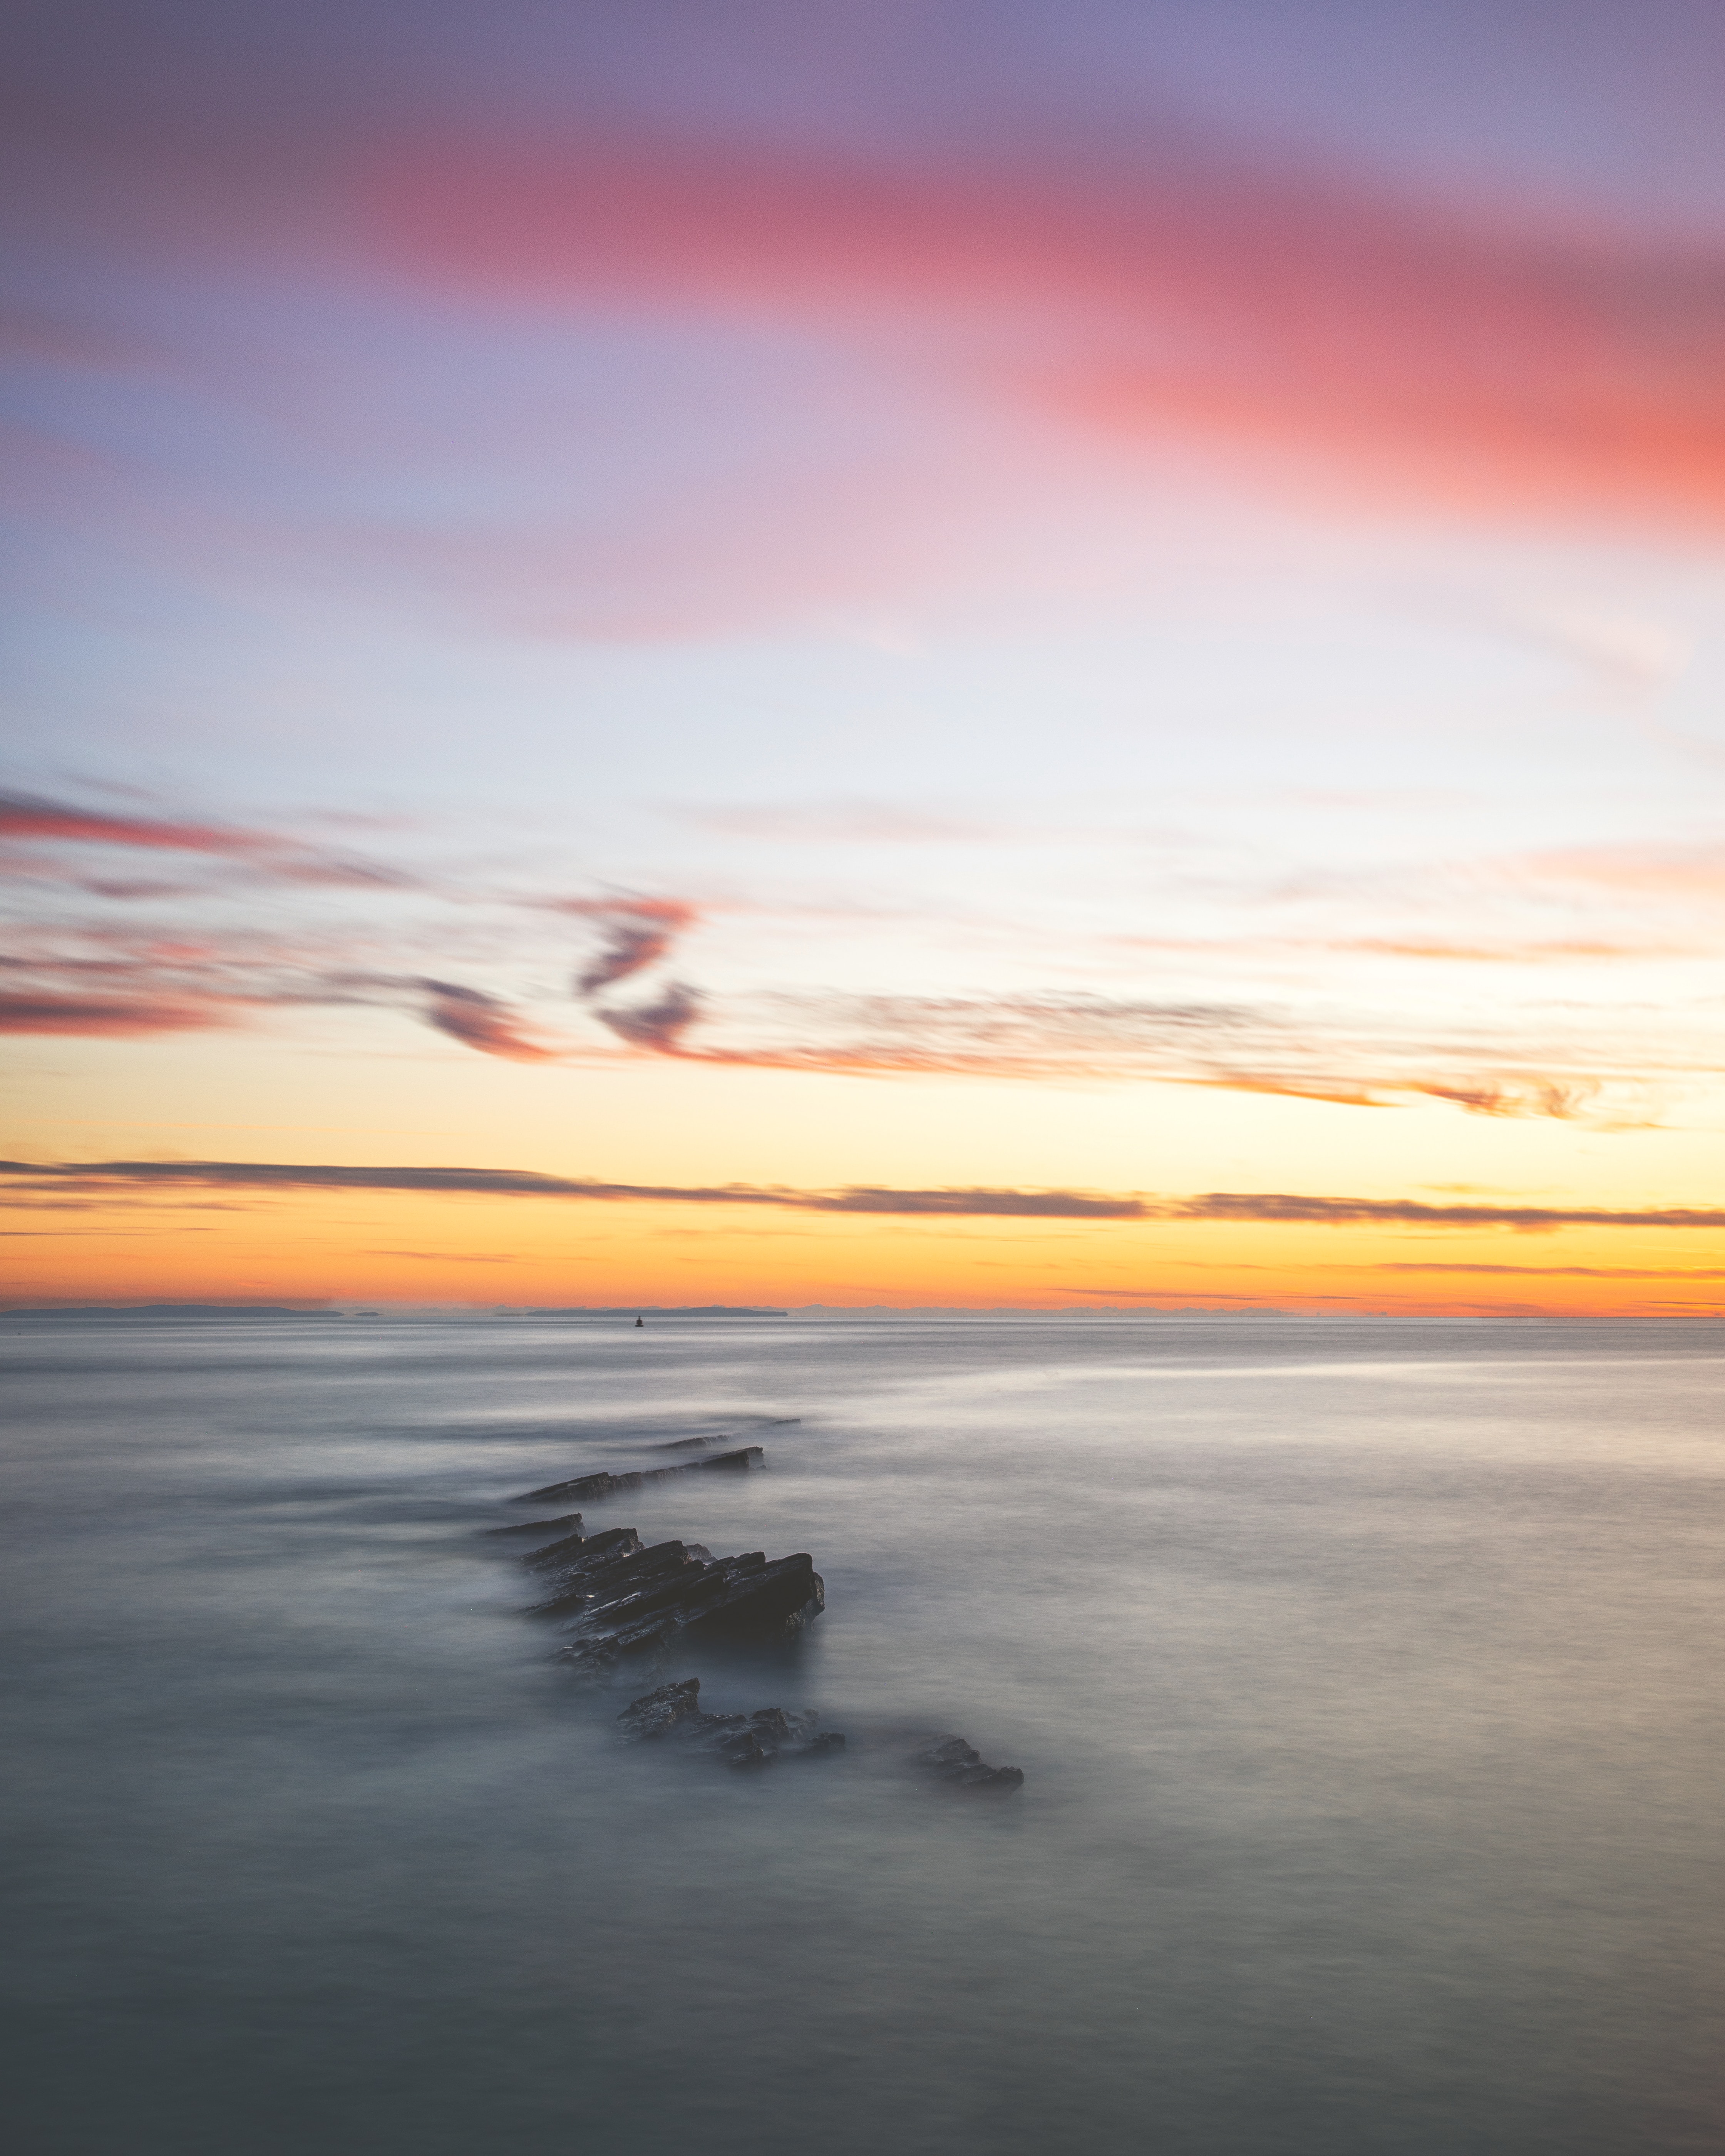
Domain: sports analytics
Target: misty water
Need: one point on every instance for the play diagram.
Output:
(1365, 1678)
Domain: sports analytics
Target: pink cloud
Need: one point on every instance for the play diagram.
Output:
(1259, 311)
(115, 1016)
(28, 820)
(638, 932)
(659, 1025)
(482, 1022)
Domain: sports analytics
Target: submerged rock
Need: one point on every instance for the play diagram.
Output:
(961, 1764)
(586, 1488)
(740, 1741)
(657, 1713)
(627, 1603)
(569, 1524)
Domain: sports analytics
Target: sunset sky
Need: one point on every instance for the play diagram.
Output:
(1019, 654)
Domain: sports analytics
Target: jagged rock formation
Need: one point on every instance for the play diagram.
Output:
(585, 1488)
(961, 1764)
(625, 1603)
(740, 1740)
(625, 1600)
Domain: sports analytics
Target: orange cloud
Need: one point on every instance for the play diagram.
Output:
(482, 1022)
(1684, 872)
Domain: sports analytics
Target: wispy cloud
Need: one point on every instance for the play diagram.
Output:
(113, 1178)
(1077, 1039)
(659, 1025)
(118, 1017)
(481, 1022)
(28, 1180)
(1579, 1272)
(637, 932)
(1687, 873)
(1175, 296)
(31, 822)
(126, 956)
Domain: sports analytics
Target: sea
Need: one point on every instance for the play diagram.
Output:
(1365, 1675)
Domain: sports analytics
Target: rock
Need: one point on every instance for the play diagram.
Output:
(583, 1550)
(961, 1764)
(611, 1583)
(585, 1489)
(741, 1741)
(569, 1524)
(747, 1749)
(657, 1713)
(746, 1598)
(624, 1583)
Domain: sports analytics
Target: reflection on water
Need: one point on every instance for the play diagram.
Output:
(1364, 1677)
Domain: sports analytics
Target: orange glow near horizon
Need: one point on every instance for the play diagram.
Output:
(385, 1247)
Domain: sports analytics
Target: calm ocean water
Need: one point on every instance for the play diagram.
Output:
(1366, 1680)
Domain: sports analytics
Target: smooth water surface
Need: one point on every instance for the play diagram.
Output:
(1365, 1678)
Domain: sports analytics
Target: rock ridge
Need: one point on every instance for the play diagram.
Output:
(624, 1602)
(584, 1488)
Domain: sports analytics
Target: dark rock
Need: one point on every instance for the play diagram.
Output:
(569, 1524)
(582, 1549)
(740, 1741)
(588, 1661)
(687, 1444)
(625, 1582)
(586, 1489)
(658, 1713)
(961, 1764)
(773, 1723)
(747, 1749)
(746, 1598)
(714, 1600)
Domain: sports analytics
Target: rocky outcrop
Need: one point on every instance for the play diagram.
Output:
(627, 1605)
(961, 1764)
(584, 1489)
(623, 1600)
(743, 1740)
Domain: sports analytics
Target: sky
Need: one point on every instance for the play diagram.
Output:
(1006, 655)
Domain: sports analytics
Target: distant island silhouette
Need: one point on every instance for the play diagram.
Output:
(646, 1310)
(167, 1310)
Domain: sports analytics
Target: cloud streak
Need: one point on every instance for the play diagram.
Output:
(638, 932)
(482, 1022)
(659, 1025)
(114, 1017)
(115, 1178)
(31, 822)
